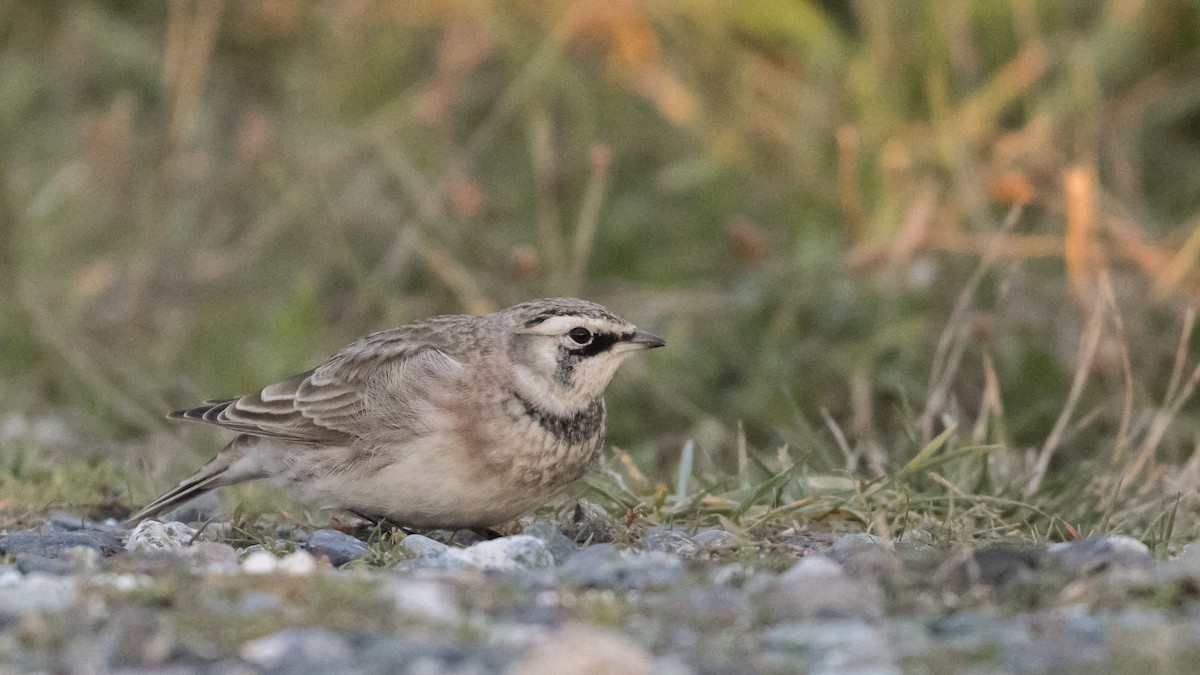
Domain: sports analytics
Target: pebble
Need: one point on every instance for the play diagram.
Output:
(214, 557)
(153, 535)
(504, 554)
(713, 540)
(298, 564)
(425, 599)
(37, 592)
(49, 542)
(420, 546)
(712, 607)
(393, 654)
(845, 646)
(561, 546)
(670, 539)
(588, 523)
(297, 650)
(864, 555)
(1098, 554)
(518, 552)
(65, 520)
(1000, 564)
(341, 548)
(818, 588)
(602, 566)
(578, 649)
(260, 562)
(71, 560)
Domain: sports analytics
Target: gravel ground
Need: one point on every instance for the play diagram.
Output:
(78, 596)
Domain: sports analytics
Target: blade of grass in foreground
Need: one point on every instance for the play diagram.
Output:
(923, 457)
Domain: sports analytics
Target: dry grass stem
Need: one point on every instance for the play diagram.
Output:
(1090, 340)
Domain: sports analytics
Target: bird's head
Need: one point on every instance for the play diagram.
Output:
(565, 351)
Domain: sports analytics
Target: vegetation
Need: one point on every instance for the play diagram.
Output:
(922, 265)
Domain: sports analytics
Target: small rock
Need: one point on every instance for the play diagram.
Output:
(73, 560)
(214, 557)
(818, 588)
(670, 539)
(864, 555)
(420, 546)
(64, 520)
(847, 646)
(588, 523)
(561, 546)
(260, 562)
(713, 540)
(602, 566)
(38, 592)
(297, 650)
(459, 537)
(428, 600)
(518, 552)
(29, 563)
(152, 535)
(583, 650)
(713, 607)
(394, 654)
(999, 564)
(339, 547)
(856, 540)
(298, 564)
(258, 602)
(1097, 554)
(50, 543)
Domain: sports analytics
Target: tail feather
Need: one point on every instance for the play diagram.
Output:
(211, 476)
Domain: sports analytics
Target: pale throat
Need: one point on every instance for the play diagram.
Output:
(552, 397)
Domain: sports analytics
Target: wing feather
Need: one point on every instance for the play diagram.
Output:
(326, 405)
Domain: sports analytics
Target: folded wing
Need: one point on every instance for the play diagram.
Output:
(326, 405)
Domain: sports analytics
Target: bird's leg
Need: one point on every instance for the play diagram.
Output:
(383, 521)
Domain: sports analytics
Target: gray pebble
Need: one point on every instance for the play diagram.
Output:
(306, 650)
(588, 523)
(28, 563)
(602, 566)
(561, 546)
(518, 552)
(864, 555)
(391, 654)
(51, 543)
(421, 546)
(38, 592)
(339, 547)
(715, 540)
(713, 607)
(856, 540)
(818, 588)
(1098, 554)
(1000, 564)
(828, 646)
(670, 539)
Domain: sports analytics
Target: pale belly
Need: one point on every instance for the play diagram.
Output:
(427, 485)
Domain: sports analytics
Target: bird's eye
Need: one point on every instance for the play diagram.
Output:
(580, 335)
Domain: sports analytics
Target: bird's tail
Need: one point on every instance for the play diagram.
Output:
(211, 476)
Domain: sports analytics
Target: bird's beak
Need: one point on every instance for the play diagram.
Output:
(643, 340)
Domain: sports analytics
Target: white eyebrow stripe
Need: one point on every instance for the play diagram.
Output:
(558, 325)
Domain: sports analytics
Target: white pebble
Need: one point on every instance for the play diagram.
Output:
(260, 562)
(298, 564)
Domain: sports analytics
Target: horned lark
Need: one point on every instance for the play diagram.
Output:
(453, 421)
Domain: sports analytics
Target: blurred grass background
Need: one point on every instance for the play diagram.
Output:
(861, 226)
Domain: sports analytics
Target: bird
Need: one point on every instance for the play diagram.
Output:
(454, 421)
